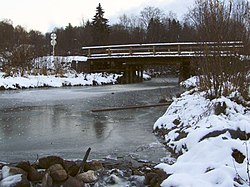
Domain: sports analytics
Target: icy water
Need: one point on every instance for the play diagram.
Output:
(59, 121)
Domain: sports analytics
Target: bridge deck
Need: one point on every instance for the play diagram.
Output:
(131, 59)
(181, 49)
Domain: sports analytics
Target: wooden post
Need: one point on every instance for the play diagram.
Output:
(109, 52)
(141, 76)
(130, 74)
(127, 75)
(130, 51)
(89, 52)
(179, 49)
(154, 52)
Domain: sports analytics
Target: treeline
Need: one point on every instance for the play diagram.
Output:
(208, 20)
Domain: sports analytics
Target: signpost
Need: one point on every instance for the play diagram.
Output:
(53, 42)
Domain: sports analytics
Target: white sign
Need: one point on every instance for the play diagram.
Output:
(53, 36)
(53, 42)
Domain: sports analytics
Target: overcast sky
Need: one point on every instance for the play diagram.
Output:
(44, 15)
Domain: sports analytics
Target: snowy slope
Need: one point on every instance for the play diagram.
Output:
(211, 137)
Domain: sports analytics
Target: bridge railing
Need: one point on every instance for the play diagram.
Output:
(164, 49)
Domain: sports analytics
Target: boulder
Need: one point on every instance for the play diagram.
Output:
(155, 177)
(25, 165)
(113, 179)
(71, 168)
(238, 156)
(32, 174)
(46, 162)
(87, 177)
(1, 165)
(57, 173)
(47, 181)
(93, 165)
(73, 182)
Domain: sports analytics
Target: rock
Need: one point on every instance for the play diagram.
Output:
(47, 181)
(9, 171)
(113, 179)
(235, 134)
(155, 177)
(94, 165)
(25, 165)
(87, 177)
(1, 165)
(32, 174)
(46, 162)
(220, 108)
(58, 173)
(71, 168)
(18, 180)
(238, 156)
(73, 182)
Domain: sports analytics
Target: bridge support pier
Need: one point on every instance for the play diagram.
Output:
(185, 71)
(132, 74)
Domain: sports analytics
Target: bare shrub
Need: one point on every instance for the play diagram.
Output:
(223, 75)
(19, 60)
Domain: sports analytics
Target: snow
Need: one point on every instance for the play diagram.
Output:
(31, 81)
(11, 180)
(50, 62)
(8, 178)
(68, 79)
(205, 159)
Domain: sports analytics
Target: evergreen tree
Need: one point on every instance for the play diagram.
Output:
(155, 31)
(100, 27)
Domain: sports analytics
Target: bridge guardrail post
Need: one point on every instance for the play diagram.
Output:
(179, 49)
(89, 52)
(130, 51)
(109, 52)
(154, 51)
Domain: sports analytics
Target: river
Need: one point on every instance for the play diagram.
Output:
(59, 121)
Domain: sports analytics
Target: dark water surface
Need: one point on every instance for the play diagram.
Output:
(59, 121)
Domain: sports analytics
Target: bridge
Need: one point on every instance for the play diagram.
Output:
(131, 59)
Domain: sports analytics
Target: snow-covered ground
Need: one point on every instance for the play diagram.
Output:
(211, 137)
(32, 81)
(69, 79)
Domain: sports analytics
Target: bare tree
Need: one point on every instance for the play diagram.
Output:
(149, 13)
(215, 20)
(219, 20)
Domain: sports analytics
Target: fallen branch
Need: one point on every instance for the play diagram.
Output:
(130, 107)
(84, 160)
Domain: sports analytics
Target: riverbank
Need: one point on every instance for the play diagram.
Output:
(54, 171)
(68, 79)
(211, 139)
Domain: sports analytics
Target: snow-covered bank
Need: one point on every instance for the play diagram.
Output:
(68, 79)
(31, 81)
(211, 137)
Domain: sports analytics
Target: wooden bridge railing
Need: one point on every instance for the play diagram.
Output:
(183, 49)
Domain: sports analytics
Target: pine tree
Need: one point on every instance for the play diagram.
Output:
(100, 27)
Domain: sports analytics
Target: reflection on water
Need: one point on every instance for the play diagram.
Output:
(60, 121)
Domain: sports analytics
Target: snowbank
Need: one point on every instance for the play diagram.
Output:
(53, 81)
(211, 137)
